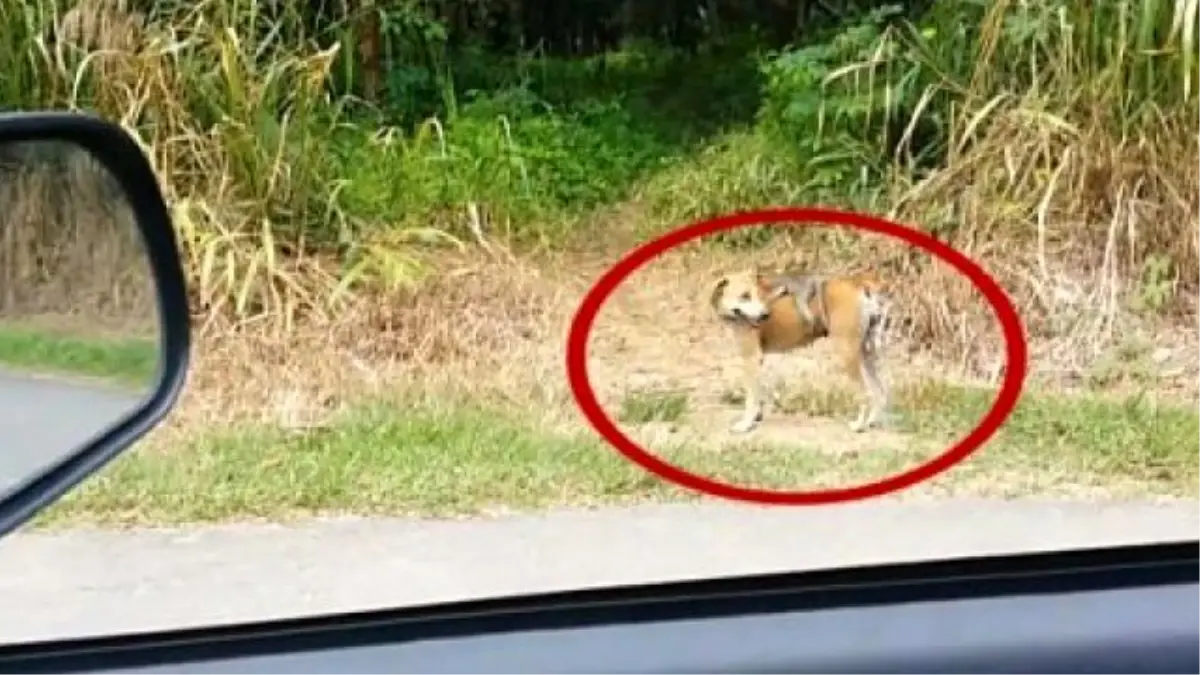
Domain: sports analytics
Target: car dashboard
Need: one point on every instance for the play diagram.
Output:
(1123, 610)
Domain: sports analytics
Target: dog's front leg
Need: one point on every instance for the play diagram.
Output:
(752, 361)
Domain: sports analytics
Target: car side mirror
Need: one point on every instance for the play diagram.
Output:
(94, 321)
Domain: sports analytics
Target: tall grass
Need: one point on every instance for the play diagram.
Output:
(1056, 141)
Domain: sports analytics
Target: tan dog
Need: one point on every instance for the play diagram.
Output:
(780, 313)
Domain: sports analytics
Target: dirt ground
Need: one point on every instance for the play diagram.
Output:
(494, 332)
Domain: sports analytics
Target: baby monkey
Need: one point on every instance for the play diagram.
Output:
(804, 289)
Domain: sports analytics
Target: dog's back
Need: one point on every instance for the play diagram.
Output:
(860, 300)
(823, 300)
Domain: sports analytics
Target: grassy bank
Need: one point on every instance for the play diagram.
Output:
(398, 460)
(128, 362)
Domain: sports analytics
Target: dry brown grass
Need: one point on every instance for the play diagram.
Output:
(1082, 228)
(491, 328)
(70, 246)
(493, 333)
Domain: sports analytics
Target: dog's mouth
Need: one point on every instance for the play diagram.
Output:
(741, 317)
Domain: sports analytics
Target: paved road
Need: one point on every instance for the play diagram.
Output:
(94, 582)
(43, 419)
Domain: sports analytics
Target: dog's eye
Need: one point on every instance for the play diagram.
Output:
(746, 296)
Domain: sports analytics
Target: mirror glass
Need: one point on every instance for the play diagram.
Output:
(79, 346)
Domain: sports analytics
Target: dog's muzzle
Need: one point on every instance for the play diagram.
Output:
(751, 320)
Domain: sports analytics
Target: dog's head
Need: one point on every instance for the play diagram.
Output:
(741, 297)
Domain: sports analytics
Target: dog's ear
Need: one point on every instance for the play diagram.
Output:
(717, 290)
(765, 285)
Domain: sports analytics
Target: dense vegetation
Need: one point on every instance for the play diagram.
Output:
(306, 159)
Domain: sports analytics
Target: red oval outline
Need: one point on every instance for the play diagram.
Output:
(1016, 349)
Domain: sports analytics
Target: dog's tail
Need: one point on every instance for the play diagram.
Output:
(874, 332)
(875, 308)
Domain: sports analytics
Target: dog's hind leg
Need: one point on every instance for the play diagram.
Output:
(853, 334)
(871, 320)
(877, 393)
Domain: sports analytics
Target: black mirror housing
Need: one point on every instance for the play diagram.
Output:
(120, 154)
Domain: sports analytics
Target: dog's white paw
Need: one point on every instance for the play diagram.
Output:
(863, 423)
(744, 426)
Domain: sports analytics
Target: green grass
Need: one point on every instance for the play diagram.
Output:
(393, 460)
(640, 407)
(128, 362)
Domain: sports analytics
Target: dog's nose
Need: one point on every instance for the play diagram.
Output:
(766, 315)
